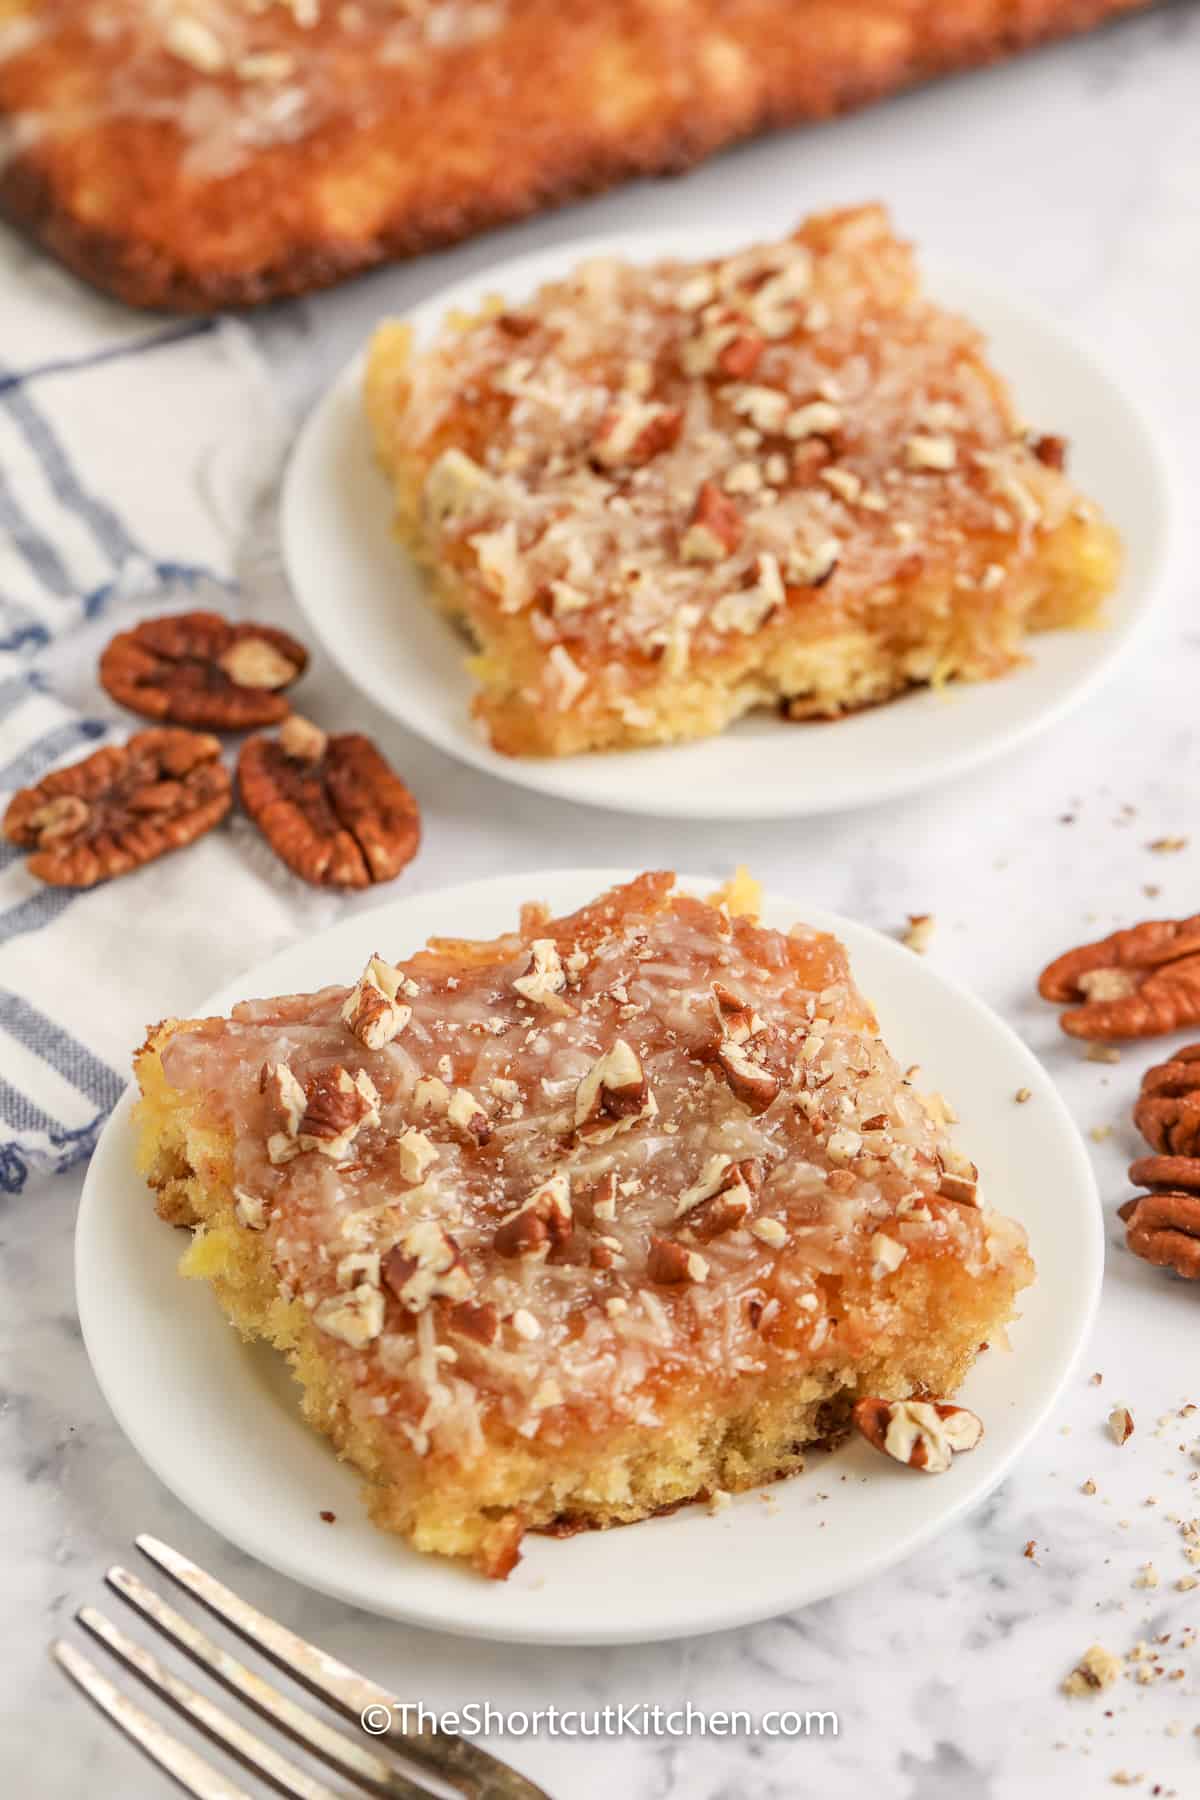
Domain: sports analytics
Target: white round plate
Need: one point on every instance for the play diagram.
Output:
(219, 1421)
(364, 597)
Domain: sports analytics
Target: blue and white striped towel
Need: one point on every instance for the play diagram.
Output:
(134, 457)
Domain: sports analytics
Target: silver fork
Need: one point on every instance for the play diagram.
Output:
(452, 1761)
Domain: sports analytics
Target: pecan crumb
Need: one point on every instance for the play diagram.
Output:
(919, 935)
(1120, 1424)
(1096, 1669)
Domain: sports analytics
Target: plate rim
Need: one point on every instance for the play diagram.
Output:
(242, 1530)
(1119, 636)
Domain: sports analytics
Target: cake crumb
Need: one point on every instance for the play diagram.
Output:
(1098, 1133)
(1089, 1486)
(1096, 1379)
(1096, 1669)
(1102, 1053)
(1022, 1095)
(1147, 1576)
(1167, 845)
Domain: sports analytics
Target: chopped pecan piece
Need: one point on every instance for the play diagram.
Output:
(120, 807)
(200, 669)
(1120, 1424)
(671, 1263)
(544, 1223)
(544, 980)
(1050, 450)
(737, 1017)
(722, 1199)
(739, 358)
(338, 1105)
(482, 1323)
(1137, 983)
(423, 1265)
(925, 1434)
(959, 1179)
(372, 1011)
(635, 431)
(613, 1096)
(465, 1111)
(332, 809)
(753, 1084)
(715, 528)
(355, 1317)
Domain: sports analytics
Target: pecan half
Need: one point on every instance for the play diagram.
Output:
(1164, 1229)
(331, 808)
(1168, 1109)
(120, 807)
(924, 1434)
(1136, 983)
(200, 669)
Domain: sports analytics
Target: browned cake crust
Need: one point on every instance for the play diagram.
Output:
(227, 152)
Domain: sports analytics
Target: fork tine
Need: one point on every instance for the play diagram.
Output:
(355, 1760)
(472, 1770)
(201, 1711)
(193, 1774)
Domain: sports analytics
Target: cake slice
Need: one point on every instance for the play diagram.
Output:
(661, 496)
(560, 1230)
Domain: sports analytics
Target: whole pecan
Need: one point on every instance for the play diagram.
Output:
(200, 669)
(1163, 1226)
(1164, 1229)
(331, 808)
(120, 807)
(1137, 983)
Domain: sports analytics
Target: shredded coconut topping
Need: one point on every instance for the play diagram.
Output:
(513, 1211)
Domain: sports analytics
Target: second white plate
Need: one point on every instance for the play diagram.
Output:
(219, 1420)
(364, 597)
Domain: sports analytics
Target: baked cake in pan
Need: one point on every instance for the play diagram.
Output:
(661, 496)
(561, 1230)
(203, 153)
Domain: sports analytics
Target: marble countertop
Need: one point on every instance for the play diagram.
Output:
(1071, 177)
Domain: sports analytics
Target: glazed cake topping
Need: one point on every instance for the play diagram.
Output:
(646, 461)
(234, 76)
(705, 1165)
